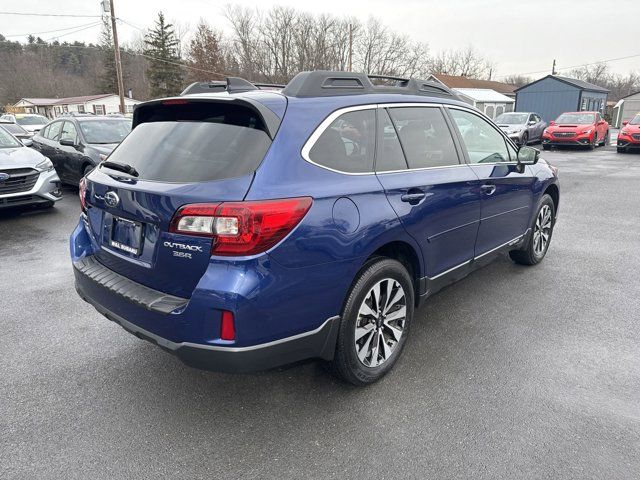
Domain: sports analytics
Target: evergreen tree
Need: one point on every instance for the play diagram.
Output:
(108, 80)
(161, 45)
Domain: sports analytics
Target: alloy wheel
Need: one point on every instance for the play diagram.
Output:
(542, 230)
(380, 323)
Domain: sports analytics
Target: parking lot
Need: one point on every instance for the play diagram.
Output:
(514, 372)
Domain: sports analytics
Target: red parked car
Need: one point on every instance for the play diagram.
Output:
(629, 136)
(576, 128)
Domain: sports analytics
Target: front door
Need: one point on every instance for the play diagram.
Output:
(434, 194)
(507, 195)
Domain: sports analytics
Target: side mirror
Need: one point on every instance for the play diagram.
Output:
(624, 124)
(67, 142)
(27, 142)
(528, 155)
(552, 122)
(532, 122)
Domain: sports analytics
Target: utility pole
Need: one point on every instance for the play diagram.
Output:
(350, 46)
(553, 68)
(116, 50)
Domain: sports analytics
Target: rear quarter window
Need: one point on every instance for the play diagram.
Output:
(348, 143)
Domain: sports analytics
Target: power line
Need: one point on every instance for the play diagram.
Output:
(49, 15)
(48, 31)
(576, 66)
(75, 31)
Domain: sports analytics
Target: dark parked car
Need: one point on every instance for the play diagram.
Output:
(246, 229)
(76, 144)
(522, 127)
(17, 131)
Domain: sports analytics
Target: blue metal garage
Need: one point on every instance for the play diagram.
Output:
(552, 95)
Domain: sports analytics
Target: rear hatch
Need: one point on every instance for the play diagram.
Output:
(179, 152)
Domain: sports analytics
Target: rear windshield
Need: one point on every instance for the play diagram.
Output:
(13, 128)
(194, 143)
(32, 120)
(105, 131)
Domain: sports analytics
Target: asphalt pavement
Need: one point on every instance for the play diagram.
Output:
(514, 372)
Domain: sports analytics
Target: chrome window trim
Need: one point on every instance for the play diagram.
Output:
(311, 141)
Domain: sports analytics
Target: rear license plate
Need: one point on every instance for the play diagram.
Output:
(126, 235)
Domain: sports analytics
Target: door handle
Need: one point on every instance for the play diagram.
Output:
(413, 197)
(488, 189)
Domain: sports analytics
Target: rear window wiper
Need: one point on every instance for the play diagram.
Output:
(121, 167)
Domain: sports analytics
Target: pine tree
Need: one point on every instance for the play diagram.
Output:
(108, 80)
(164, 73)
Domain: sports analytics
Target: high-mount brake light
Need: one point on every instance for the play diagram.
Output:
(175, 101)
(241, 228)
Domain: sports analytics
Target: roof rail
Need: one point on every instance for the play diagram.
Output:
(323, 83)
(230, 85)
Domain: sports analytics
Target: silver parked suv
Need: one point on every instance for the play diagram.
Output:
(26, 177)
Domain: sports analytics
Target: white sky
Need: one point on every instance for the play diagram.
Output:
(519, 36)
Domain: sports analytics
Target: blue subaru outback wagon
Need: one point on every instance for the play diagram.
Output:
(246, 229)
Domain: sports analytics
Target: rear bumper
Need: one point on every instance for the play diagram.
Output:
(317, 343)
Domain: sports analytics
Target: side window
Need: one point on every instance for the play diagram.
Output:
(532, 118)
(348, 143)
(44, 132)
(389, 155)
(484, 143)
(54, 130)
(424, 136)
(69, 132)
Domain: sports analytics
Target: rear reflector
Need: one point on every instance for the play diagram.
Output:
(241, 228)
(227, 327)
(82, 193)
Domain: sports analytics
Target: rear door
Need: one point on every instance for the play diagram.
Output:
(507, 195)
(70, 157)
(45, 142)
(183, 153)
(434, 194)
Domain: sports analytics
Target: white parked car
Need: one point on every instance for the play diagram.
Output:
(31, 122)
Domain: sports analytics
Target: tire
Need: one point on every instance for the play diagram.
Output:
(545, 147)
(621, 150)
(594, 143)
(532, 253)
(381, 338)
(603, 143)
(525, 139)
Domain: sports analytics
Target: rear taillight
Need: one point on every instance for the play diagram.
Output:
(241, 228)
(82, 192)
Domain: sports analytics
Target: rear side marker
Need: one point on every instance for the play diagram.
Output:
(227, 326)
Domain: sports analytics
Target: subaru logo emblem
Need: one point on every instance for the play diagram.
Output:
(111, 199)
(4, 176)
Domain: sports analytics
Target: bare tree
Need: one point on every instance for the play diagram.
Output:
(466, 62)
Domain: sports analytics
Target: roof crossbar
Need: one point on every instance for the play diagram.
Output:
(230, 85)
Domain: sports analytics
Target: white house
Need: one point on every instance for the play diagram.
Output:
(488, 101)
(98, 104)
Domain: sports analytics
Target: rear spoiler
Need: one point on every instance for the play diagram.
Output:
(144, 111)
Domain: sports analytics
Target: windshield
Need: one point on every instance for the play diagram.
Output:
(636, 120)
(7, 141)
(576, 118)
(512, 118)
(13, 128)
(105, 131)
(32, 120)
